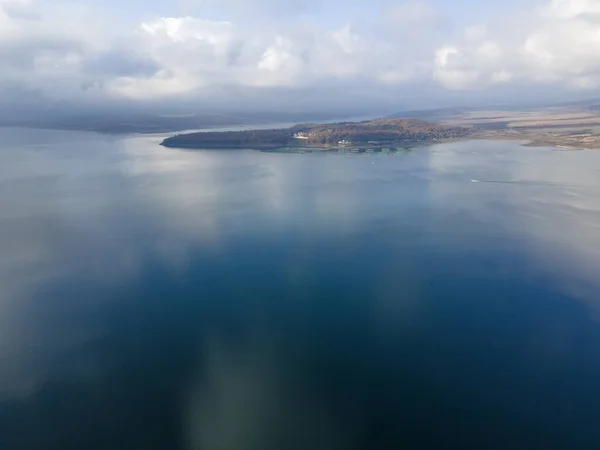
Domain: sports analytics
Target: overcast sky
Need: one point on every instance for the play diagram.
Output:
(310, 52)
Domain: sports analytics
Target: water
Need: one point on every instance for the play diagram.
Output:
(151, 298)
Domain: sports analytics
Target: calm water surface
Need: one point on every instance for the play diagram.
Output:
(151, 298)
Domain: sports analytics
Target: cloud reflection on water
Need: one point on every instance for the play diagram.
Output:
(124, 254)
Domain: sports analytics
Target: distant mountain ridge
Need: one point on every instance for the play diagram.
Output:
(429, 114)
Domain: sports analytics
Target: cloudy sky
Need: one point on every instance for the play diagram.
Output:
(313, 52)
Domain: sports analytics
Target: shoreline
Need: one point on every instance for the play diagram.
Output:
(379, 133)
(404, 145)
(398, 146)
(535, 142)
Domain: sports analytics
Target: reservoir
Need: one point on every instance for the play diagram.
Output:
(445, 297)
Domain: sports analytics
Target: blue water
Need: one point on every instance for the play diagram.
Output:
(152, 298)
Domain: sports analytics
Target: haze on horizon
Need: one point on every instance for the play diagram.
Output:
(62, 57)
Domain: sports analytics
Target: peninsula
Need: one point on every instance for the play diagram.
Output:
(567, 126)
(379, 132)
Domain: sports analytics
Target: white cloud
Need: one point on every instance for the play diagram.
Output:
(450, 69)
(62, 49)
(413, 14)
(558, 44)
(196, 55)
(45, 47)
(17, 9)
(277, 55)
(571, 9)
(75, 56)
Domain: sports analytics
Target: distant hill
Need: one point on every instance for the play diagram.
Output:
(136, 121)
(375, 132)
(429, 114)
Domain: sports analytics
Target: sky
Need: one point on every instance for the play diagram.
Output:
(311, 54)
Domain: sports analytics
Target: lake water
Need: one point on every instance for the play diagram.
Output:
(152, 298)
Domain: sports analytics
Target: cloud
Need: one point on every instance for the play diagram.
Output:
(281, 52)
(40, 52)
(117, 63)
(21, 9)
(196, 55)
(259, 10)
(172, 57)
(557, 44)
